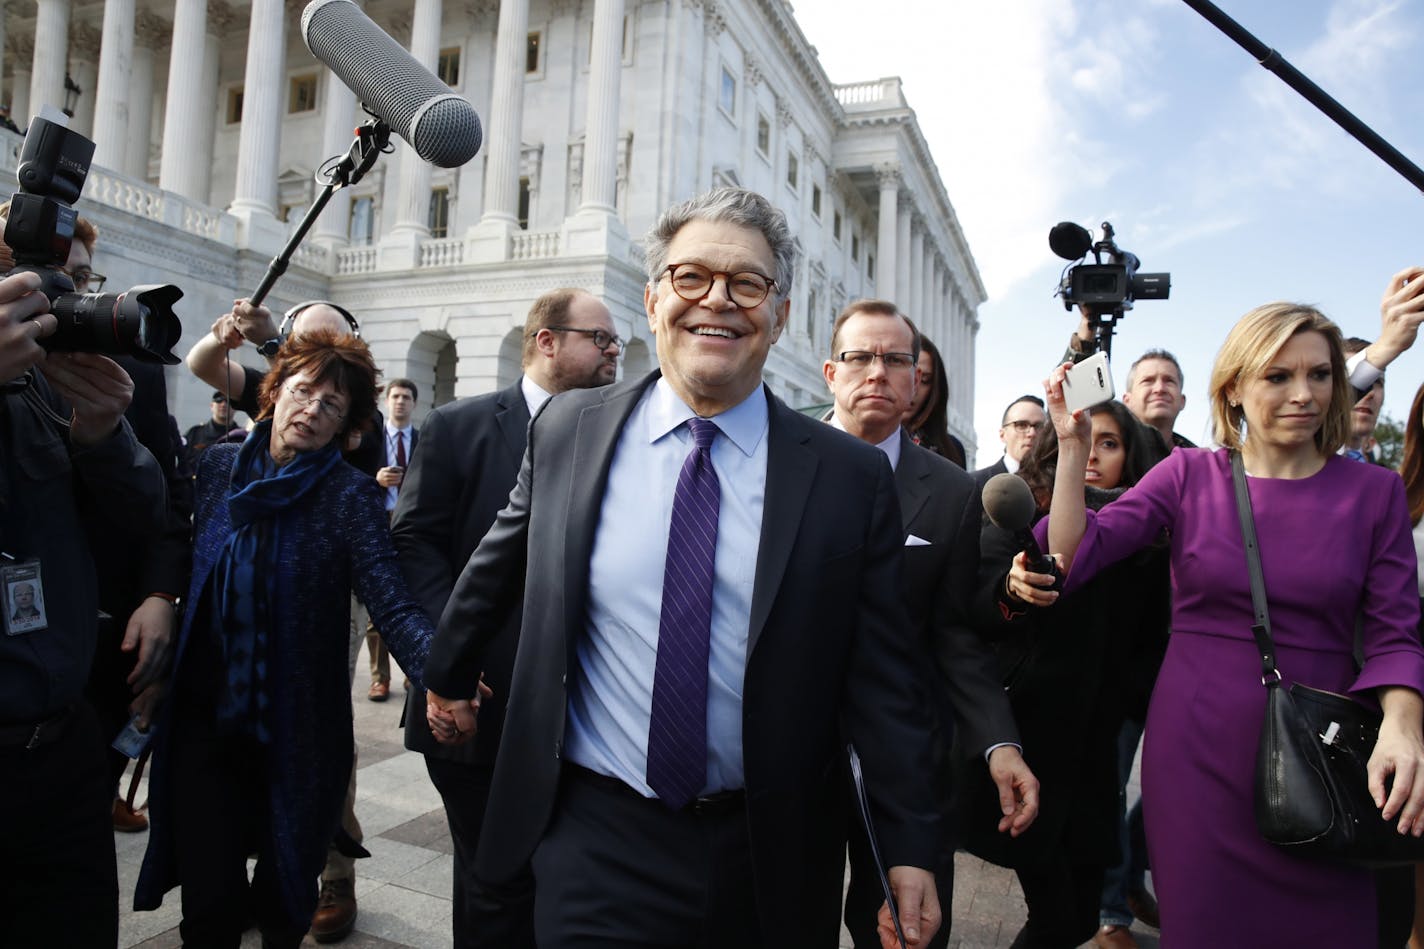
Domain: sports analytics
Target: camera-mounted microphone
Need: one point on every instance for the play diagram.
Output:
(1108, 286)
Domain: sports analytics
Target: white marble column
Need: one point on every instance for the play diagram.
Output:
(112, 122)
(20, 83)
(889, 178)
(927, 270)
(413, 204)
(150, 33)
(84, 70)
(901, 294)
(338, 119)
(222, 22)
(51, 54)
(914, 300)
(506, 114)
(260, 138)
(179, 168)
(600, 152)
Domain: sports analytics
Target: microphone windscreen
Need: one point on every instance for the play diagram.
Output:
(441, 126)
(1070, 241)
(1008, 502)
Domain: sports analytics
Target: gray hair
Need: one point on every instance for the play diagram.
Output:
(731, 206)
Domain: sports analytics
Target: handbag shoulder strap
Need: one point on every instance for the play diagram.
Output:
(1261, 629)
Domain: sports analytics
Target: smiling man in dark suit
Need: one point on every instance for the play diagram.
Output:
(709, 587)
(871, 375)
(457, 483)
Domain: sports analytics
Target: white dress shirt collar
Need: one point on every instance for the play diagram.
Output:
(891, 445)
(534, 394)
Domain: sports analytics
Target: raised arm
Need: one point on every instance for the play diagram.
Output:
(1068, 522)
(208, 359)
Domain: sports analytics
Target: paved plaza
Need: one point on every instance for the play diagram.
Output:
(403, 891)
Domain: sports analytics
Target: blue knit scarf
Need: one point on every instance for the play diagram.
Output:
(245, 576)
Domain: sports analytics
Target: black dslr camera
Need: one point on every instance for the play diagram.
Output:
(1108, 286)
(140, 322)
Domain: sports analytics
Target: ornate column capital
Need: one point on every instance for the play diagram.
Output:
(483, 14)
(712, 19)
(751, 70)
(888, 175)
(810, 152)
(783, 113)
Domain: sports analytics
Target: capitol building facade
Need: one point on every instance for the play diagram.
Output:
(211, 120)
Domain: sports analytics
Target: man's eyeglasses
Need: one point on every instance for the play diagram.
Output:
(692, 282)
(1023, 426)
(303, 396)
(86, 281)
(861, 361)
(600, 339)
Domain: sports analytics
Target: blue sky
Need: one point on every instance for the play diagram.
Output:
(1143, 114)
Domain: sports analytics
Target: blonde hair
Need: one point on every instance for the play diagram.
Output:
(1251, 346)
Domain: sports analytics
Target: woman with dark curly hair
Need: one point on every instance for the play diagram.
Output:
(1074, 670)
(254, 751)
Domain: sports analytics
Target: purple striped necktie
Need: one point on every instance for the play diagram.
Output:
(677, 730)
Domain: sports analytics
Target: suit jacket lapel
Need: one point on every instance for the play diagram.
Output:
(513, 419)
(595, 439)
(790, 469)
(911, 481)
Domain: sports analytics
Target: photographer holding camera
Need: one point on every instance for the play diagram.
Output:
(64, 447)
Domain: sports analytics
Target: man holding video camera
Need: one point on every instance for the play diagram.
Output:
(64, 449)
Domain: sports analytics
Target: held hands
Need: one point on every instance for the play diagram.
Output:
(918, 901)
(454, 721)
(1069, 426)
(20, 327)
(1018, 789)
(1399, 754)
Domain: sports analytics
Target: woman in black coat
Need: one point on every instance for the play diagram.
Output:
(1073, 670)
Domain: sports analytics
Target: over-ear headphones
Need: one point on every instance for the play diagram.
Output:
(291, 315)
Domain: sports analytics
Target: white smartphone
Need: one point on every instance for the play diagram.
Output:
(1088, 383)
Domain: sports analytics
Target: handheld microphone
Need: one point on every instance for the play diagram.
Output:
(441, 126)
(1010, 505)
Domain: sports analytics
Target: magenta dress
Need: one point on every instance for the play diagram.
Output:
(1333, 546)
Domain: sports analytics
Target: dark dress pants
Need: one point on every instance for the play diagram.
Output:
(486, 916)
(219, 814)
(58, 881)
(616, 870)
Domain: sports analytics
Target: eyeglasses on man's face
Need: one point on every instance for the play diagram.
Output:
(85, 280)
(304, 397)
(1023, 426)
(692, 282)
(601, 339)
(861, 360)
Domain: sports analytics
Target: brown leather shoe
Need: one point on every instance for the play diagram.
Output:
(127, 820)
(1114, 937)
(335, 911)
(1143, 905)
(380, 691)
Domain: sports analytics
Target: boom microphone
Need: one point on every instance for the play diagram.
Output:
(1068, 240)
(1010, 505)
(441, 126)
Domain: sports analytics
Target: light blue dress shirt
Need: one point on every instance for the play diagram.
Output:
(611, 688)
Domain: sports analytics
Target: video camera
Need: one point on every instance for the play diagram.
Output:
(1108, 286)
(54, 162)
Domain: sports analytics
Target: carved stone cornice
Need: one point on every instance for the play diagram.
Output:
(84, 41)
(151, 30)
(221, 18)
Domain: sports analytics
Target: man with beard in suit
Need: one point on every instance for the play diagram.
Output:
(709, 584)
(456, 484)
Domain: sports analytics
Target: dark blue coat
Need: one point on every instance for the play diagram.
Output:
(336, 541)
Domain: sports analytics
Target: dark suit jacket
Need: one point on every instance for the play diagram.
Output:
(982, 475)
(828, 641)
(453, 489)
(939, 503)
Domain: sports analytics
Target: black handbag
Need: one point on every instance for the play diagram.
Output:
(1312, 794)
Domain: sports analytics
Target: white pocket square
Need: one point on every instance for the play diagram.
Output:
(913, 541)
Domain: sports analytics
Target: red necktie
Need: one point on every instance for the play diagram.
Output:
(400, 449)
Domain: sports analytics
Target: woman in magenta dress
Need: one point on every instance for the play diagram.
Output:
(1335, 545)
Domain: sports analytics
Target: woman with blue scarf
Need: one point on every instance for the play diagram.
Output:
(254, 750)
